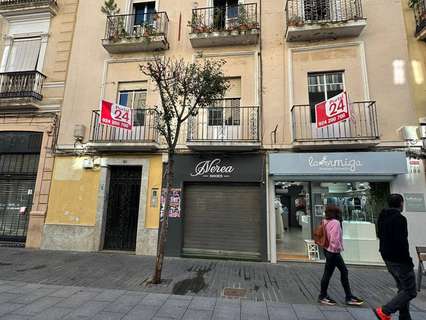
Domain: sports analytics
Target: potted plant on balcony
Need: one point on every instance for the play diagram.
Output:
(196, 24)
(243, 19)
(149, 30)
(296, 21)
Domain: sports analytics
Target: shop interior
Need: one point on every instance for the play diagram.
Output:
(299, 208)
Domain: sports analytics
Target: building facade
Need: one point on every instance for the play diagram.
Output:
(277, 168)
(35, 46)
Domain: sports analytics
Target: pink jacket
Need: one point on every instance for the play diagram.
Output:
(334, 236)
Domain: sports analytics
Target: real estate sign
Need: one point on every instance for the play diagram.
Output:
(332, 111)
(115, 115)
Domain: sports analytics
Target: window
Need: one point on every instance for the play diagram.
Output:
(316, 10)
(24, 55)
(143, 12)
(322, 86)
(134, 99)
(227, 111)
(225, 13)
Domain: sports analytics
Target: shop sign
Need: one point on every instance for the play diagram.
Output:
(338, 163)
(212, 169)
(414, 202)
(219, 168)
(115, 115)
(332, 111)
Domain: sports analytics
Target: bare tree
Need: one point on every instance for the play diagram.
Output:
(184, 88)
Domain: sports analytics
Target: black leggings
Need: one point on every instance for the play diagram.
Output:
(333, 261)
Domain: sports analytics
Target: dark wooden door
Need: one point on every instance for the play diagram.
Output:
(223, 220)
(123, 208)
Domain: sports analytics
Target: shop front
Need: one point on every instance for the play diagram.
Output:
(301, 185)
(218, 207)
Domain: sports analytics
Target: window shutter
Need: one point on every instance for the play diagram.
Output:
(234, 90)
(24, 55)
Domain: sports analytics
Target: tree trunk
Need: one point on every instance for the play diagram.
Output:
(164, 222)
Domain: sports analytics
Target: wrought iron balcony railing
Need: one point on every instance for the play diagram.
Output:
(144, 129)
(238, 18)
(21, 84)
(225, 124)
(362, 125)
(310, 12)
(124, 26)
(420, 15)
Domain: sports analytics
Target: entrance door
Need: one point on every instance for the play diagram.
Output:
(123, 208)
(223, 220)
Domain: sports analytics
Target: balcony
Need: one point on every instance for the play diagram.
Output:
(323, 19)
(360, 131)
(420, 15)
(143, 136)
(224, 128)
(135, 33)
(20, 7)
(224, 26)
(21, 89)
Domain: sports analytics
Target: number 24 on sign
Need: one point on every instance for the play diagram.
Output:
(333, 110)
(115, 115)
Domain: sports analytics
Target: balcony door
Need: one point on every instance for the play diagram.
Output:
(225, 13)
(134, 97)
(24, 55)
(143, 13)
(321, 87)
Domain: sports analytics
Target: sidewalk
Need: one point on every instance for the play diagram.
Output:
(64, 285)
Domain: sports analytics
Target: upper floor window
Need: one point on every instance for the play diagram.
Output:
(143, 12)
(227, 111)
(24, 54)
(225, 13)
(135, 99)
(323, 86)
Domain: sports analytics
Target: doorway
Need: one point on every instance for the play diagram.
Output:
(123, 208)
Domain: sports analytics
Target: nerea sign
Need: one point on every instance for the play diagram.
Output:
(212, 168)
(333, 110)
(115, 115)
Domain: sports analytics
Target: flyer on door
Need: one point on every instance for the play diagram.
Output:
(332, 111)
(115, 115)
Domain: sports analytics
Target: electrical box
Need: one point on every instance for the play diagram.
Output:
(409, 133)
(88, 163)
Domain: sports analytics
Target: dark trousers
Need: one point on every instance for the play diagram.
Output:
(333, 261)
(406, 283)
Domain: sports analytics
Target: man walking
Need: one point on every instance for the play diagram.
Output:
(393, 236)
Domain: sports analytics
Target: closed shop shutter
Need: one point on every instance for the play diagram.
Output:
(223, 220)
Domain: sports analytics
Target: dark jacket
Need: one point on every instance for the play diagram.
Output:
(393, 235)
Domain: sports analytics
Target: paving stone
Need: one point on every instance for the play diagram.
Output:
(25, 289)
(142, 312)
(278, 313)
(191, 314)
(88, 309)
(418, 315)
(154, 299)
(65, 292)
(108, 316)
(202, 303)
(38, 306)
(53, 313)
(337, 315)
(6, 288)
(34, 295)
(253, 310)
(109, 295)
(124, 303)
(361, 314)
(170, 312)
(308, 312)
(226, 311)
(77, 299)
(179, 303)
(15, 317)
(4, 297)
(8, 307)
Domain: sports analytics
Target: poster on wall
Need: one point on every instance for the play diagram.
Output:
(174, 210)
(332, 111)
(414, 202)
(115, 115)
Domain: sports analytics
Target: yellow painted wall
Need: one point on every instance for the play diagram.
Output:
(73, 195)
(74, 192)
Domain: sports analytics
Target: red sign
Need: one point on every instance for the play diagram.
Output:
(333, 110)
(115, 115)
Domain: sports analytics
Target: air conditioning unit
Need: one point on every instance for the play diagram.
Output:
(88, 163)
(79, 132)
(409, 133)
(422, 131)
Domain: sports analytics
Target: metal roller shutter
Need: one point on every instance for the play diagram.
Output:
(223, 220)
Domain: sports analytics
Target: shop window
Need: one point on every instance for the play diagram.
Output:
(24, 54)
(136, 100)
(323, 86)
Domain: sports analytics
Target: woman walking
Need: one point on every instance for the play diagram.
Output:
(333, 258)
